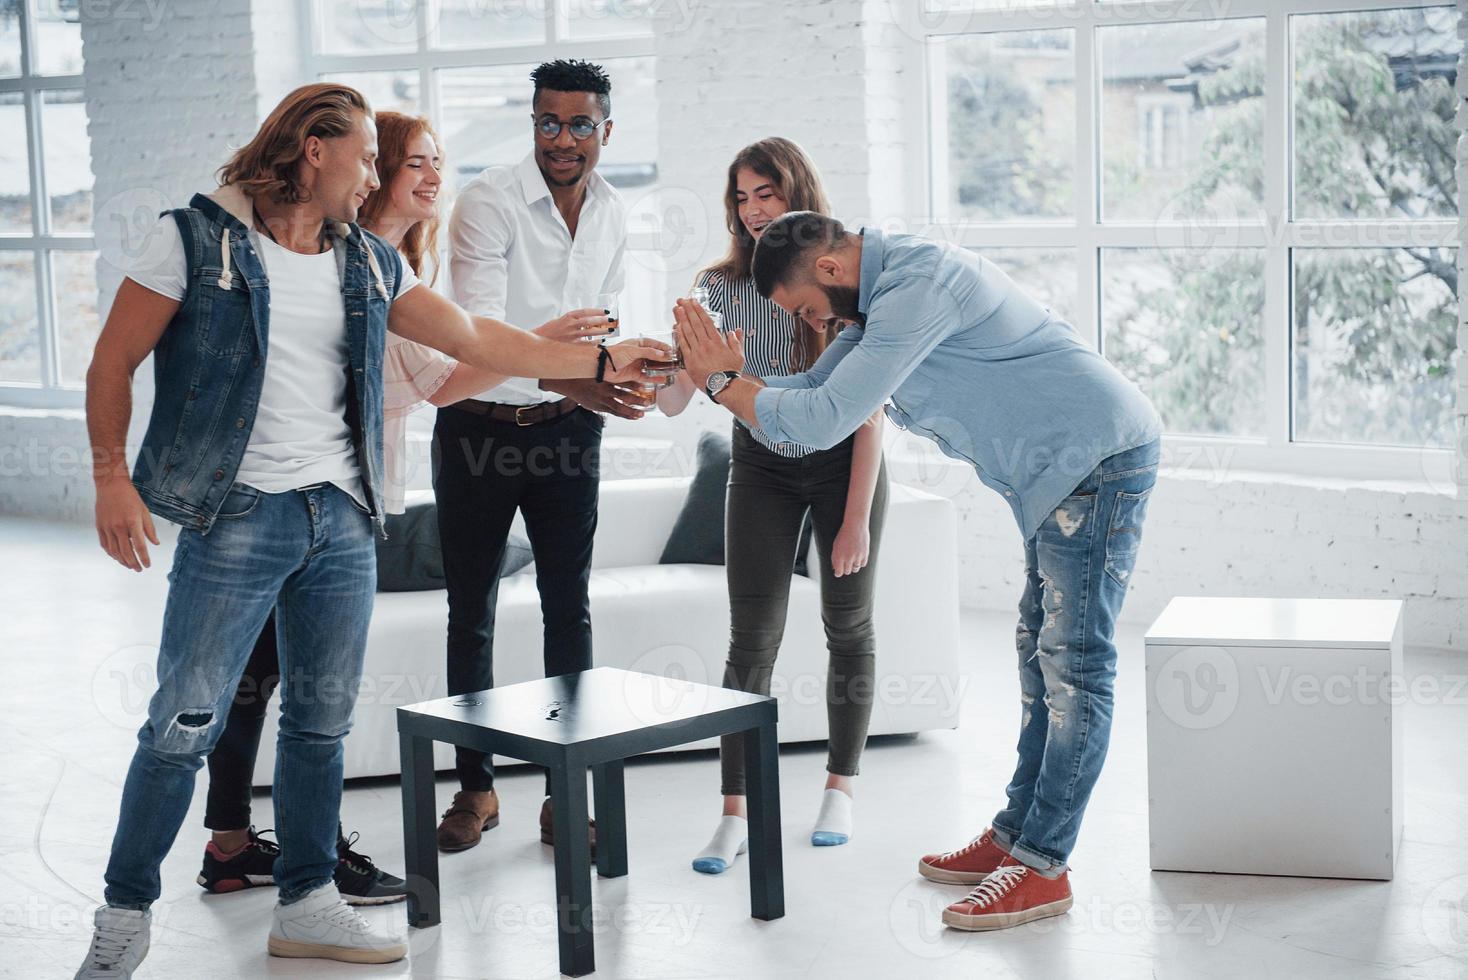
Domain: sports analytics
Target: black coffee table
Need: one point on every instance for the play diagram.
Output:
(596, 718)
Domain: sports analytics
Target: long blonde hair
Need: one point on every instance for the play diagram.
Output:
(395, 131)
(785, 165)
(267, 164)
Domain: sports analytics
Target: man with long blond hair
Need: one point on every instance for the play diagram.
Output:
(267, 321)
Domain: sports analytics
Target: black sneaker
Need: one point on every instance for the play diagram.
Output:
(363, 883)
(252, 866)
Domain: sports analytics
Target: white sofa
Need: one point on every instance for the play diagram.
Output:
(674, 620)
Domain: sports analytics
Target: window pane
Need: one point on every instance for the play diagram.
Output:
(1373, 344)
(1374, 106)
(395, 90)
(961, 6)
(610, 18)
(68, 160)
(354, 27)
(58, 37)
(1187, 325)
(74, 277)
(20, 355)
(486, 121)
(481, 24)
(1047, 274)
(1008, 113)
(15, 170)
(1182, 120)
(9, 40)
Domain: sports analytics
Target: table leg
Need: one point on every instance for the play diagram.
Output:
(762, 784)
(573, 870)
(609, 789)
(420, 849)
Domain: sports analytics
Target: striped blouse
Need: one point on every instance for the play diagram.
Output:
(769, 339)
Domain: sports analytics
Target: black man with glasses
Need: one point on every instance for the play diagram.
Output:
(544, 236)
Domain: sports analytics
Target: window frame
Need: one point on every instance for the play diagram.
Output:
(1088, 235)
(426, 60)
(42, 240)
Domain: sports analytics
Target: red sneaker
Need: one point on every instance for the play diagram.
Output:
(1012, 895)
(968, 865)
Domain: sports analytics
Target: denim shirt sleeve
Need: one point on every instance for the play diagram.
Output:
(845, 341)
(827, 403)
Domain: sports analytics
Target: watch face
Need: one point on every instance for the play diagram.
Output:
(717, 383)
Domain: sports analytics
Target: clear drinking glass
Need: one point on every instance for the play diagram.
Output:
(664, 371)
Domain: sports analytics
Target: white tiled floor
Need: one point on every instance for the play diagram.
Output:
(855, 911)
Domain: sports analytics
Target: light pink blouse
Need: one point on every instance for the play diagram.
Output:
(411, 373)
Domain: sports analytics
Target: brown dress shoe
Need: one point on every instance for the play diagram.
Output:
(547, 826)
(471, 814)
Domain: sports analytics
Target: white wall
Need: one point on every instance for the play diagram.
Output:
(167, 101)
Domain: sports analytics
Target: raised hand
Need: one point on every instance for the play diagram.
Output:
(705, 350)
(577, 325)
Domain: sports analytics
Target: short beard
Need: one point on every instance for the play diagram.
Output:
(553, 182)
(844, 300)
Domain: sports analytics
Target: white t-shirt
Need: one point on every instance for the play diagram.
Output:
(301, 436)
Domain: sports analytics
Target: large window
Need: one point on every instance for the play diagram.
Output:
(1253, 216)
(48, 314)
(466, 64)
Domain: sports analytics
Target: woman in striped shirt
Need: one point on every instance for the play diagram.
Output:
(773, 486)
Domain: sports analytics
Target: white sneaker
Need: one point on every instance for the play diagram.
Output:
(119, 943)
(322, 926)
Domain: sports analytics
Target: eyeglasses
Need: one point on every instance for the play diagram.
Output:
(581, 127)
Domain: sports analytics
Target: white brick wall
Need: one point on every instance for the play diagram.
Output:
(1248, 534)
(168, 98)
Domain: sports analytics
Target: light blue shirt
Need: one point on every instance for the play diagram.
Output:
(968, 360)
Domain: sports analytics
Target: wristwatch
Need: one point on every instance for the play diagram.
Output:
(717, 382)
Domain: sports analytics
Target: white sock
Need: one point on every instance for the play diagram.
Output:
(729, 841)
(833, 823)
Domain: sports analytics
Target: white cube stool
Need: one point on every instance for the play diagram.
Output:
(1274, 736)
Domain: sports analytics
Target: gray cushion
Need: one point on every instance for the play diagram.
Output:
(698, 534)
(410, 560)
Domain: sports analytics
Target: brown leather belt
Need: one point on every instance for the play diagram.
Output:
(519, 414)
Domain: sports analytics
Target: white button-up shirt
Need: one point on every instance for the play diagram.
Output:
(512, 257)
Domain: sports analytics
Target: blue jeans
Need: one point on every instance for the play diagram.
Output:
(1076, 570)
(307, 554)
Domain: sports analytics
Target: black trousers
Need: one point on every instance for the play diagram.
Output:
(232, 763)
(769, 497)
(483, 472)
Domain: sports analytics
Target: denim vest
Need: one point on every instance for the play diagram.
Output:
(209, 365)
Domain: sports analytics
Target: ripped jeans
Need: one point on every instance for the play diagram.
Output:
(308, 555)
(1077, 566)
